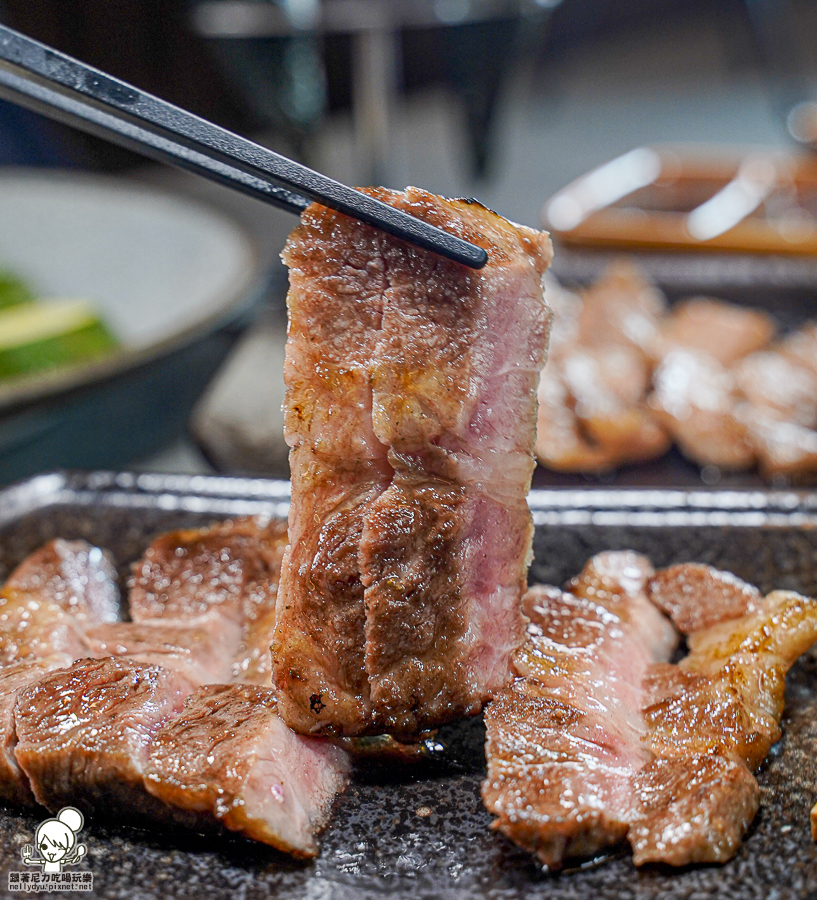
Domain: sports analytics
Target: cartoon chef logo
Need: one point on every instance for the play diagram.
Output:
(56, 842)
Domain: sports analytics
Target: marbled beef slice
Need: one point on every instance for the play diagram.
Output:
(411, 413)
(229, 758)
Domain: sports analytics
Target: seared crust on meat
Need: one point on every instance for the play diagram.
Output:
(693, 810)
(14, 786)
(109, 734)
(695, 595)
(319, 642)
(553, 810)
(566, 739)
(52, 597)
(229, 759)
(619, 580)
(592, 744)
(83, 733)
(231, 567)
(410, 411)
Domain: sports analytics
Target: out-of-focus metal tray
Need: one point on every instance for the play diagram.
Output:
(422, 832)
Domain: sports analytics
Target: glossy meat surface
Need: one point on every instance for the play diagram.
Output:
(252, 661)
(229, 571)
(694, 809)
(32, 629)
(628, 376)
(230, 758)
(410, 412)
(201, 650)
(231, 567)
(84, 733)
(77, 577)
(601, 738)
(52, 597)
(619, 580)
(778, 407)
(695, 595)
(566, 740)
(14, 786)
(712, 720)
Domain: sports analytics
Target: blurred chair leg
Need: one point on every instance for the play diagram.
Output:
(375, 67)
(480, 57)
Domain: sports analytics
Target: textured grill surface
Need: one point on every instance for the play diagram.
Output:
(378, 844)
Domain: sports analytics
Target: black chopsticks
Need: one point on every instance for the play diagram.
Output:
(49, 82)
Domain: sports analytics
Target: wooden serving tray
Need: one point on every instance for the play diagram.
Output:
(661, 198)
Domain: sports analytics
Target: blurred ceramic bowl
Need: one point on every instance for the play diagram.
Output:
(175, 281)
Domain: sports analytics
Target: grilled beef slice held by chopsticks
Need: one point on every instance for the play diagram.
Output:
(662, 754)
(410, 413)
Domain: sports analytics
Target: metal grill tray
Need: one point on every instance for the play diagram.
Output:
(377, 844)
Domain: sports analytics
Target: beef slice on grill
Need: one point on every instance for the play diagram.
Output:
(228, 758)
(565, 740)
(84, 734)
(410, 413)
(592, 393)
(619, 581)
(32, 629)
(710, 797)
(201, 649)
(75, 576)
(229, 571)
(231, 568)
(721, 331)
(711, 722)
(14, 786)
(695, 595)
(52, 597)
(600, 737)
(695, 398)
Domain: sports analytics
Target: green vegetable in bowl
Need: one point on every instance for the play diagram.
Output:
(13, 290)
(37, 336)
